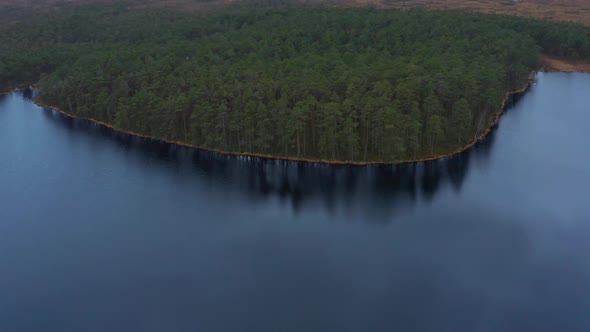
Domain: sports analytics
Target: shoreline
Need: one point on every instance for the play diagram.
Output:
(495, 120)
(548, 64)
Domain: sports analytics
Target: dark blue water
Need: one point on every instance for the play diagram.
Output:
(104, 232)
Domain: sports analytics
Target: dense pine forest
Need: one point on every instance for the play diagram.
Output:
(351, 84)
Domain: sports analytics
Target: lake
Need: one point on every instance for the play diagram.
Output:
(100, 231)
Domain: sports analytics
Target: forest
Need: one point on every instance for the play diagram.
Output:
(347, 84)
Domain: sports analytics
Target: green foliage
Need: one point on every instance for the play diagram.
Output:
(348, 84)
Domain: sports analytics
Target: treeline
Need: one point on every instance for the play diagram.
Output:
(351, 84)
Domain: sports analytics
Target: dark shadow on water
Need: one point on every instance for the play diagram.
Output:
(457, 167)
(28, 94)
(432, 176)
(300, 184)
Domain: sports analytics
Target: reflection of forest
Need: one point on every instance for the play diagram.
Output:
(376, 186)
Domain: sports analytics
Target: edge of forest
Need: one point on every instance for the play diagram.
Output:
(495, 120)
(548, 65)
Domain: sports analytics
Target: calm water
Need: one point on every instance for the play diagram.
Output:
(103, 232)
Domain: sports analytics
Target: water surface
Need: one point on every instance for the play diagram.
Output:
(100, 231)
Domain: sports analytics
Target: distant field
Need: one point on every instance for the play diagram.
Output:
(561, 10)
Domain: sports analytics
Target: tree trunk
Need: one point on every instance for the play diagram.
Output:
(298, 146)
(366, 140)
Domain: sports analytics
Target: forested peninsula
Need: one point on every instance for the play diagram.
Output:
(310, 83)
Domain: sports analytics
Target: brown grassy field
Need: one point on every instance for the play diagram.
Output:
(561, 65)
(558, 10)
(562, 10)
